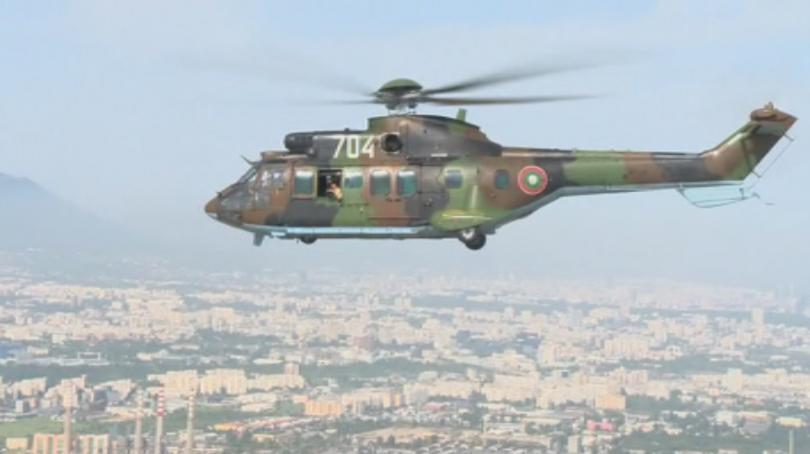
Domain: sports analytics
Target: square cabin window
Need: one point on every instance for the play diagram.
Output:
(304, 182)
(352, 179)
(453, 178)
(380, 183)
(501, 179)
(406, 183)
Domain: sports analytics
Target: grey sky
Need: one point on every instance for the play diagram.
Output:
(138, 111)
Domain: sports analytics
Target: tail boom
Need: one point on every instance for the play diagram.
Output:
(730, 161)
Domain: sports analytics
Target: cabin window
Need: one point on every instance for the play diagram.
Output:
(353, 179)
(501, 179)
(406, 183)
(380, 183)
(329, 183)
(453, 178)
(304, 182)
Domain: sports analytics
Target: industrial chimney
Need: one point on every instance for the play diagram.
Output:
(138, 442)
(160, 412)
(190, 424)
(68, 403)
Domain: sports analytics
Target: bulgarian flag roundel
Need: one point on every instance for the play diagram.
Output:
(532, 180)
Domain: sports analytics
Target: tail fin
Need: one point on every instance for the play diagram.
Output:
(737, 156)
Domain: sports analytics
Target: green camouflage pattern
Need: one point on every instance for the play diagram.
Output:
(423, 176)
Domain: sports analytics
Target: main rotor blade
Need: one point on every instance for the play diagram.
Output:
(349, 102)
(467, 101)
(277, 66)
(509, 75)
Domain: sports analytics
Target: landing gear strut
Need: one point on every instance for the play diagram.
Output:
(472, 238)
(308, 239)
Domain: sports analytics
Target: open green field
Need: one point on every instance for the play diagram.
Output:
(175, 421)
(27, 427)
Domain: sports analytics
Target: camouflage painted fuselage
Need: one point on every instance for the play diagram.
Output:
(420, 176)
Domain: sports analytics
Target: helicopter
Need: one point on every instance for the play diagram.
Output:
(409, 175)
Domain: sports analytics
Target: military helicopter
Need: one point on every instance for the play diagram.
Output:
(427, 176)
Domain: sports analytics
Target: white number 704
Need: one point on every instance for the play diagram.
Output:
(354, 145)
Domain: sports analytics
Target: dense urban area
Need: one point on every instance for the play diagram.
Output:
(331, 361)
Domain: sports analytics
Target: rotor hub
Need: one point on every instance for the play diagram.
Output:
(402, 95)
(401, 85)
(399, 95)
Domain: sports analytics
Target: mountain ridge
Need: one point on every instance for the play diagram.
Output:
(32, 217)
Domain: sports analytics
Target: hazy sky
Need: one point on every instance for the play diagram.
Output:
(138, 111)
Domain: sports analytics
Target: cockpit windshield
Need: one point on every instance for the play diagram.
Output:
(248, 176)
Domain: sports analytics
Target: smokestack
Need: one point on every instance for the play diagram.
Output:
(67, 402)
(791, 443)
(190, 424)
(138, 442)
(159, 412)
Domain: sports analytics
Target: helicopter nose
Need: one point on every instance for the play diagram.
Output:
(212, 208)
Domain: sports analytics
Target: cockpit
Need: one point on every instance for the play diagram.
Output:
(236, 198)
(253, 191)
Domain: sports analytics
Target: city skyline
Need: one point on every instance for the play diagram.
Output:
(443, 361)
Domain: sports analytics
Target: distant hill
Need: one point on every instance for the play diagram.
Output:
(33, 218)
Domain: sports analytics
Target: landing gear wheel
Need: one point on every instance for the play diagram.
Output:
(473, 239)
(308, 239)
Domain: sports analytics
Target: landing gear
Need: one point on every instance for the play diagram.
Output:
(308, 239)
(472, 238)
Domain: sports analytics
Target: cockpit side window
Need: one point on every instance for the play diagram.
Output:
(264, 179)
(261, 188)
(276, 177)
